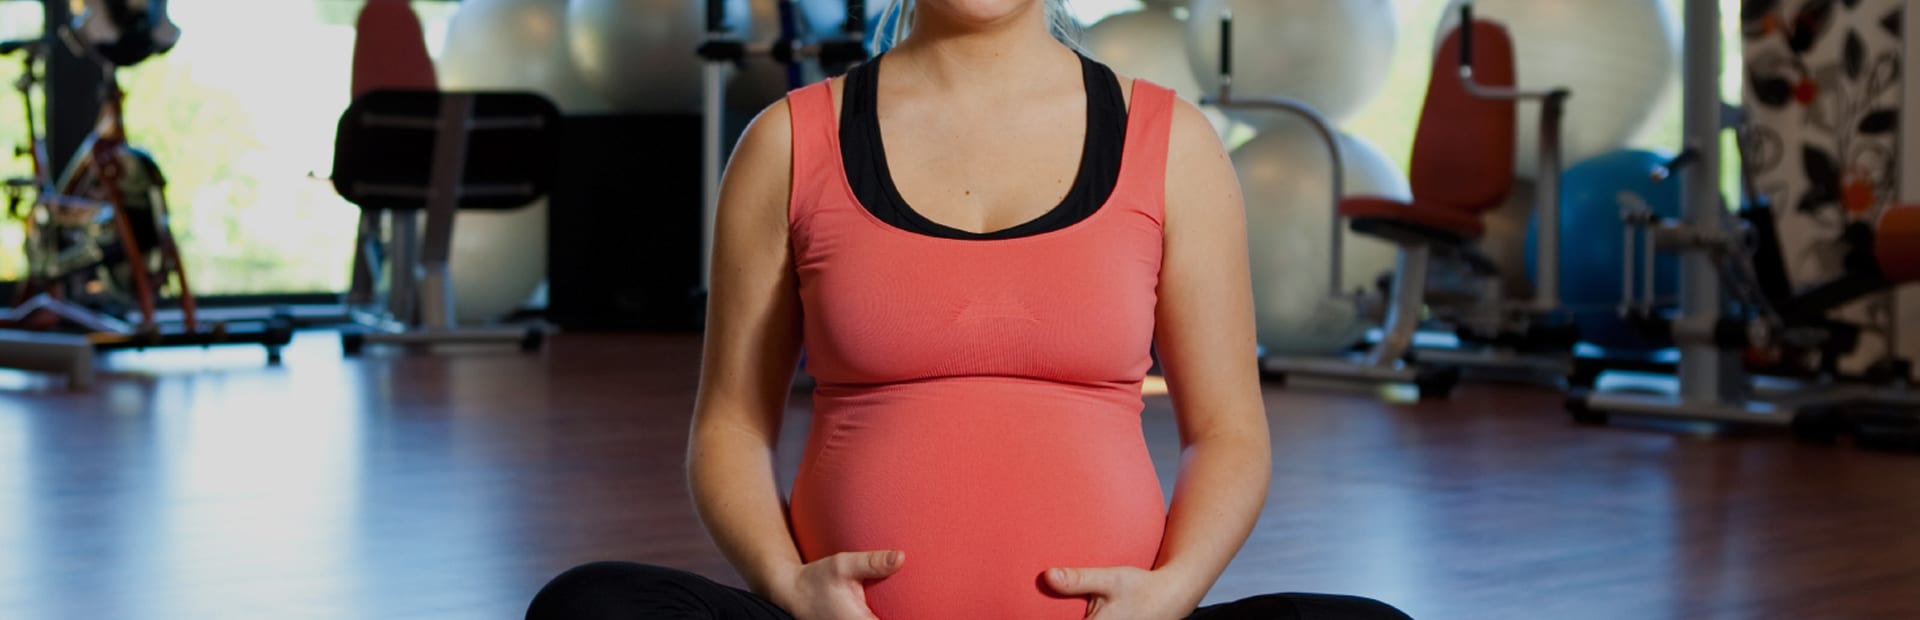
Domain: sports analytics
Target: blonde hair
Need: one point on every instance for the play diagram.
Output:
(1060, 21)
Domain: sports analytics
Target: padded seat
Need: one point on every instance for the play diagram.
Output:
(1897, 244)
(1396, 220)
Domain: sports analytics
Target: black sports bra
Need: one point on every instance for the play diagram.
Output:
(864, 157)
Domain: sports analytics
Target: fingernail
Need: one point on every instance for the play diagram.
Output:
(893, 558)
(1058, 575)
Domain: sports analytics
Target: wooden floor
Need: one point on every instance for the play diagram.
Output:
(196, 484)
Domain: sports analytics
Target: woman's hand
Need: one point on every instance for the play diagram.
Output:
(829, 588)
(1124, 592)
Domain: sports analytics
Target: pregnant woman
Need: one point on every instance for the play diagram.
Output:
(977, 237)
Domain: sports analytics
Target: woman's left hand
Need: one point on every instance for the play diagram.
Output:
(1124, 592)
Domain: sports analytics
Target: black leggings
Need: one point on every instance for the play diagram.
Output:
(628, 591)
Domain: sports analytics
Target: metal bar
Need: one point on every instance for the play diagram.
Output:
(403, 266)
(1704, 370)
(713, 115)
(491, 124)
(1648, 253)
(1655, 405)
(502, 334)
(493, 190)
(1629, 233)
(1339, 368)
(1546, 208)
(64, 354)
(1403, 316)
(449, 170)
(1335, 286)
(395, 121)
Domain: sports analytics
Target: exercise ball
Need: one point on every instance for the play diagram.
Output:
(1333, 55)
(1135, 44)
(1617, 57)
(1591, 254)
(1285, 175)
(497, 260)
(514, 45)
(639, 54)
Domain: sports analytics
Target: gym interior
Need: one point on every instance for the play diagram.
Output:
(396, 308)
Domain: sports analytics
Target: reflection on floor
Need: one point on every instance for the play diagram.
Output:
(203, 484)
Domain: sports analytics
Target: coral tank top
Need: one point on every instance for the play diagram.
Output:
(977, 401)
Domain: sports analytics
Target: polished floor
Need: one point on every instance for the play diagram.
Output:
(203, 484)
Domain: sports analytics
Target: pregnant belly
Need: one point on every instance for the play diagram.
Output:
(984, 484)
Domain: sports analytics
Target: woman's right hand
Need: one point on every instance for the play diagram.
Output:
(830, 588)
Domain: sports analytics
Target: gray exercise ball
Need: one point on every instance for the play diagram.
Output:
(640, 54)
(1285, 176)
(1146, 44)
(1332, 54)
(514, 45)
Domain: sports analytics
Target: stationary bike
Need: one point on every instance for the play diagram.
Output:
(98, 240)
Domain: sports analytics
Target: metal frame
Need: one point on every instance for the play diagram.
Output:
(1394, 358)
(63, 354)
(419, 299)
(720, 51)
(1713, 382)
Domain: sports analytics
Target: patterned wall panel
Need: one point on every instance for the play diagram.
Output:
(1825, 95)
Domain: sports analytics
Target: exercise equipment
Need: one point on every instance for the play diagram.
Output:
(756, 85)
(500, 257)
(628, 50)
(724, 50)
(1462, 164)
(1135, 43)
(68, 355)
(515, 45)
(1333, 56)
(125, 32)
(408, 152)
(1737, 313)
(1283, 173)
(1617, 54)
(1591, 273)
(99, 239)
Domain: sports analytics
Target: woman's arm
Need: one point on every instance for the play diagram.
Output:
(1205, 338)
(752, 347)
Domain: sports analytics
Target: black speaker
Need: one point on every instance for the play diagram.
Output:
(623, 249)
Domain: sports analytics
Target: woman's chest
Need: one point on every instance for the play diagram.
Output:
(1075, 304)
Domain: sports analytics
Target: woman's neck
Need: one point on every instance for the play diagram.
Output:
(953, 55)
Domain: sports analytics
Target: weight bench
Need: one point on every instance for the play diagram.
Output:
(404, 152)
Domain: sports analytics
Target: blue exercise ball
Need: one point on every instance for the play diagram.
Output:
(1591, 252)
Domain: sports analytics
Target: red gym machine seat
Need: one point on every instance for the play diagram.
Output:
(1463, 152)
(1897, 244)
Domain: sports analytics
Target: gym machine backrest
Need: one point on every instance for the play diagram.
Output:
(435, 151)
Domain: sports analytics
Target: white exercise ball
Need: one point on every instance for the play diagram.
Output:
(640, 54)
(1332, 54)
(514, 45)
(1136, 44)
(497, 260)
(1617, 57)
(1287, 180)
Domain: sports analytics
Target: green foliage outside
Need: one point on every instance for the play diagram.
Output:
(17, 20)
